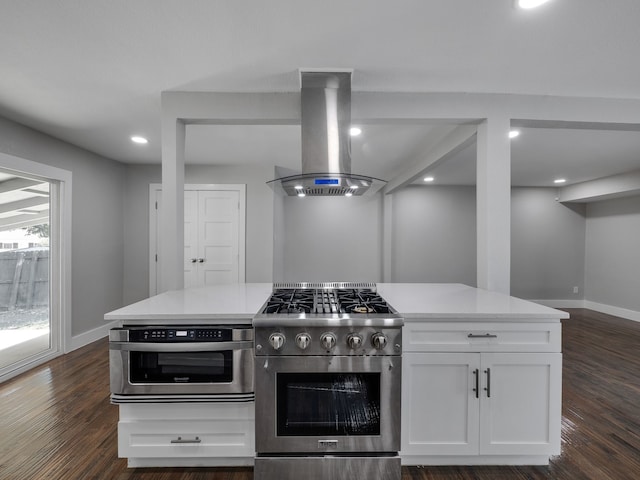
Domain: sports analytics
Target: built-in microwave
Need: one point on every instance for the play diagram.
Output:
(173, 362)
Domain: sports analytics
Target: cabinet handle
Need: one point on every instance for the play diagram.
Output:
(201, 260)
(477, 388)
(186, 440)
(194, 260)
(486, 335)
(488, 387)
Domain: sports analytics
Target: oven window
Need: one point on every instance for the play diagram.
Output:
(181, 367)
(312, 404)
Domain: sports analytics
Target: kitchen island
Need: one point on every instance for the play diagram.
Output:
(481, 382)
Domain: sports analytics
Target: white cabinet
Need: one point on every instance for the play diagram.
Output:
(187, 434)
(484, 406)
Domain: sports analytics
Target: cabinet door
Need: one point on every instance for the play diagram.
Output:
(520, 403)
(439, 405)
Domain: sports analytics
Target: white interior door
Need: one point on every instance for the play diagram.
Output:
(214, 230)
(218, 218)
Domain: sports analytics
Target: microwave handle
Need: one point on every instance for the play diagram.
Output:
(180, 346)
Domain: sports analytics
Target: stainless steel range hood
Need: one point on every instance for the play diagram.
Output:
(325, 100)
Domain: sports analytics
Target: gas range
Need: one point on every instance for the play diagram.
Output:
(337, 318)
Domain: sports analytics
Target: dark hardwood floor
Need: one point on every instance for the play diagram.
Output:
(56, 422)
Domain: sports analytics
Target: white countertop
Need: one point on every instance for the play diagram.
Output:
(455, 300)
(235, 303)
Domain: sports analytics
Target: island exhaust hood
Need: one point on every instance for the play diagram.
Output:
(325, 100)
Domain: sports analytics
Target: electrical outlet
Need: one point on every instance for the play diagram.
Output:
(575, 289)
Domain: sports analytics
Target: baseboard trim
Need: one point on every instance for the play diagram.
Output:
(598, 307)
(85, 338)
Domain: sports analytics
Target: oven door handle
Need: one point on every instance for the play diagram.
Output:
(180, 347)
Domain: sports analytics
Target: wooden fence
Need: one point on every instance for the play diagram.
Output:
(24, 279)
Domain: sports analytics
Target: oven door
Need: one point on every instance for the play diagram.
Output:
(200, 368)
(321, 404)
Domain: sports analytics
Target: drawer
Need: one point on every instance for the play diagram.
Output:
(186, 438)
(481, 337)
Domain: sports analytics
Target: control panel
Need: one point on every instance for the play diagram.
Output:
(186, 334)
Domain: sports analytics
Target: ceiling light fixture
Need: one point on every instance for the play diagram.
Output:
(528, 4)
(429, 179)
(348, 194)
(139, 139)
(514, 133)
(301, 194)
(560, 180)
(355, 131)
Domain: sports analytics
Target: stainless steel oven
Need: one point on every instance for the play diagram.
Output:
(328, 373)
(328, 404)
(181, 363)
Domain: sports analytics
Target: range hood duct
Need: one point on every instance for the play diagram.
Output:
(325, 100)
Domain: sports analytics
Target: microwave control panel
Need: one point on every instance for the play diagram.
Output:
(187, 334)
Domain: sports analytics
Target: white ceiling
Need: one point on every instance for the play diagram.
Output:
(91, 72)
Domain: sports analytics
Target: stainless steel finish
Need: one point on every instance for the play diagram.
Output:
(180, 347)
(325, 100)
(186, 440)
(119, 365)
(389, 368)
(327, 285)
(379, 340)
(303, 340)
(341, 331)
(276, 340)
(327, 468)
(354, 341)
(328, 341)
(486, 335)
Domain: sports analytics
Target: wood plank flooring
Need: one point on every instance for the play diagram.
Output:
(56, 422)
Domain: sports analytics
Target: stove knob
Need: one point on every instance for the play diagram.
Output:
(302, 340)
(328, 341)
(379, 340)
(354, 341)
(276, 340)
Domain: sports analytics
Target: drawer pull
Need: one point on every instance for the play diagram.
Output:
(486, 335)
(186, 440)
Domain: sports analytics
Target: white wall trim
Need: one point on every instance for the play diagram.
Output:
(597, 307)
(60, 251)
(85, 338)
(612, 310)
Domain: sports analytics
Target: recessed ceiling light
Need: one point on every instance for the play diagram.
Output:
(298, 187)
(348, 194)
(301, 194)
(527, 4)
(139, 139)
(514, 133)
(560, 180)
(429, 179)
(355, 131)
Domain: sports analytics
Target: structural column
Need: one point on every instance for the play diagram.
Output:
(171, 236)
(493, 195)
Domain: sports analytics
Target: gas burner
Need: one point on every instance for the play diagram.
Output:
(290, 301)
(362, 301)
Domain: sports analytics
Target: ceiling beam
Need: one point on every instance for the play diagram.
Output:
(21, 221)
(26, 203)
(457, 140)
(17, 184)
(615, 186)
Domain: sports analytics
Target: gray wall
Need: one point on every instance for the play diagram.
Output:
(612, 267)
(259, 224)
(330, 238)
(434, 235)
(547, 245)
(97, 219)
